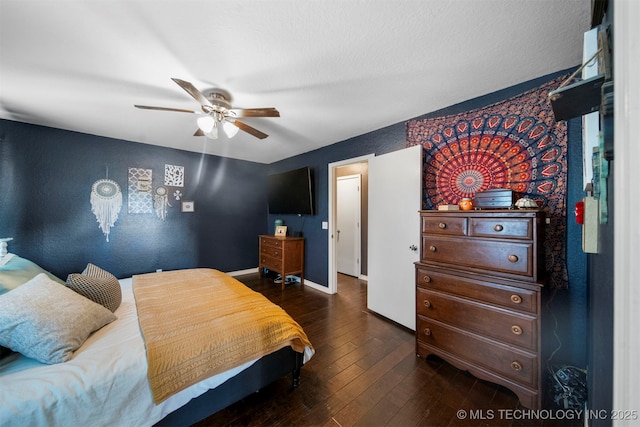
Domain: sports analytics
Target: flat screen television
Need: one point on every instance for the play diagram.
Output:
(291, 192)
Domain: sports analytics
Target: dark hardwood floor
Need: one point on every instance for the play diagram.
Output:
(365, 373)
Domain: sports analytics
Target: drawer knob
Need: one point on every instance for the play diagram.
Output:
(442, 226)
(516, 299)
(276, 253)
(427, 303)
(498, 228)
(427, 331)
(516, 366)
(513, 258)
(516, 330)
(432, 248)
(426, 279)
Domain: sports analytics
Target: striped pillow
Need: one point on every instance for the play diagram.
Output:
(98, 285)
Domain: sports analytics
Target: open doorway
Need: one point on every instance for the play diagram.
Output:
(340, 172)
(348, 221)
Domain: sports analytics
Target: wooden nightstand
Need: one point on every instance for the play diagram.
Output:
(282, 254)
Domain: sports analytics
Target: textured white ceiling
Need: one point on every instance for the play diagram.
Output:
(334, 69)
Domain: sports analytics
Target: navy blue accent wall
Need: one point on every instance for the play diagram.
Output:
(45, 183)
(601, 326)
(570, 306)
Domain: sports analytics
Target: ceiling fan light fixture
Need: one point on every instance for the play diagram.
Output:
(213, 133)
(217, 112)
(209, 126)
(206, 123)
(230, 129)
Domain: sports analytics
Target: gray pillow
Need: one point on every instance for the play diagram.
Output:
(46, 321)
(98, 285)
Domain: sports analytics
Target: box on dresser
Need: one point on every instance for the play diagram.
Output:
(478, 295)
(494, 198)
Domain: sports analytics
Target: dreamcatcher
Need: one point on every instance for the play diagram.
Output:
(106, 202)
(161, 202)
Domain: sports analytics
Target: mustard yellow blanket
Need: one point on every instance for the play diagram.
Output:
(199, 322)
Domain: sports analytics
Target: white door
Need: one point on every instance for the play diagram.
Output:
(348, 225)
(394, 233)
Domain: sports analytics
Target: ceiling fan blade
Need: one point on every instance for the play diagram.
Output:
(180, 110)
(199, 133)
(245, 127)
(255, 112)
(191, 90)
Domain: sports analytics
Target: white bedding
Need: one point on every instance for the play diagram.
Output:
(105, 384)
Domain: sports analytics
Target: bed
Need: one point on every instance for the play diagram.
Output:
(108, 381)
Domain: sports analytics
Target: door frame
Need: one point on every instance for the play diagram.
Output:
(332, 178)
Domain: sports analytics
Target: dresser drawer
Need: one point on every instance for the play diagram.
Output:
(505, 228)
(271, 251)
(270, 241)
(273, 264)
(445, 225)
(493, 293)
(520, 366)
(506, 326)
(513, 258)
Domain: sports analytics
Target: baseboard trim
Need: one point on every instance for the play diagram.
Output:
(242, 272)
(307, 282)
(316, 286)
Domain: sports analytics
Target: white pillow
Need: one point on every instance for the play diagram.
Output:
(46, 321)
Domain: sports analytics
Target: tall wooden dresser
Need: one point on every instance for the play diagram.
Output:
(478, 295)
(282, 254)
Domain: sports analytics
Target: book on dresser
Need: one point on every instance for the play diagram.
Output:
(478, 295)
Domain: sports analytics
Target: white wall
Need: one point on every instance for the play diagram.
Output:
(626, 370)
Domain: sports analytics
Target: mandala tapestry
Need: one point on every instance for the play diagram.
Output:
(514, 144)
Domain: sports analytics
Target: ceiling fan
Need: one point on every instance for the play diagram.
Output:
(216, 106)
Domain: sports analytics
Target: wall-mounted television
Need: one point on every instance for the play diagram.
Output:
(291, 192)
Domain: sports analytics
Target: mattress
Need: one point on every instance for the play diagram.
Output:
(105, 384)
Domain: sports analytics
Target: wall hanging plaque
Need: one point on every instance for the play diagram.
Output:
(140, 191)
(174, 175)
